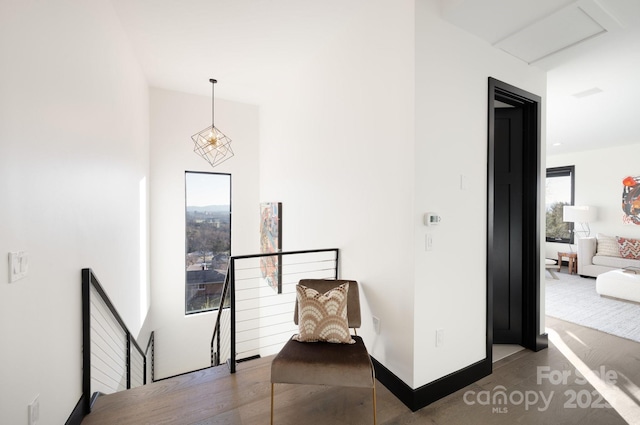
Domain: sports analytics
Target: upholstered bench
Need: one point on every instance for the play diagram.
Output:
(619, 284)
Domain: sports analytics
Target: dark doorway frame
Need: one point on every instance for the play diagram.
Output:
(531, 106)
(564, 171)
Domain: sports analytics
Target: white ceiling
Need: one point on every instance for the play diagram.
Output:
(590, 48)
(248, 46)
(593, 77)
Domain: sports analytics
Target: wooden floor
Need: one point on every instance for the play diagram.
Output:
(213, 396)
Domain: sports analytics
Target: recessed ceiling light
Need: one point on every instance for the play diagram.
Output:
(586, 93)
(557, 144)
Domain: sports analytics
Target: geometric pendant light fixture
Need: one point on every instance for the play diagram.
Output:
(211, 143)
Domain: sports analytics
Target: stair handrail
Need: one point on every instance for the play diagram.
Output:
(89, 279)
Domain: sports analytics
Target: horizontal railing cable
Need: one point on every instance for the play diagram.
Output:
(265, 315)
(112, 358)
(255, 314)
(264, 327)
(328, 276)
(238, 269)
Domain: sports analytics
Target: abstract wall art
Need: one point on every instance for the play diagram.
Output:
(271, 242)
(631, 200)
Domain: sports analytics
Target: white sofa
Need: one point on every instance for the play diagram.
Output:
(592, 264)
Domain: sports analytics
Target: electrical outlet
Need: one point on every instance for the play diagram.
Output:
(439, 337)
(376, 324)
(34, 411)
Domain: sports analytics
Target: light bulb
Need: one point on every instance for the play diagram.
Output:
(212, 140)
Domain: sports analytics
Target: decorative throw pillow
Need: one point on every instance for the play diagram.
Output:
(629, 248)
(607, 245)
(323, 317)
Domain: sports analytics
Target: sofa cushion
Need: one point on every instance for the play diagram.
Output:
(629, 248)
(614, 262)
(323, 363)
(607, 245)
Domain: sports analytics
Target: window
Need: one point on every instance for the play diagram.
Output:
(207, 238)
(559, 192)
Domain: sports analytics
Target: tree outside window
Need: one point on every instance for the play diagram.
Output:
(207, 238)
(559, 192)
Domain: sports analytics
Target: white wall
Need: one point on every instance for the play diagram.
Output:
(452, 70)
(73, 154)
(336, 150)
(357, 144)
(344, 129)
(183, 342)
(598, 183)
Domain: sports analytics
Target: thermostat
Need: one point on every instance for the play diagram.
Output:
(431, 219)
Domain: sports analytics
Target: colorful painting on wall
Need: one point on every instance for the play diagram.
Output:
(271, 241)
(631, 200)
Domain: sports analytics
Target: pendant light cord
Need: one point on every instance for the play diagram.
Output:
(213, 85)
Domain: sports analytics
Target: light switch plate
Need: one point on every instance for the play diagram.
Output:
(464, 182)
(18, 265)
(428, 242)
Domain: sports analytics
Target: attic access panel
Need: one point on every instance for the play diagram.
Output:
(559, 31)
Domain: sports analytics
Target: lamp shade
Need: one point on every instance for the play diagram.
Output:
(578, 214)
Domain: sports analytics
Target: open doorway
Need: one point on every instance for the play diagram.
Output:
(513, 220)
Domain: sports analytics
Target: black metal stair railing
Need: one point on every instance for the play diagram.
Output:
(255, 315)
(112, 358)
(222, 322)
(150, 354)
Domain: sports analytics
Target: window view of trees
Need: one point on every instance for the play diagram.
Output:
(559, 192)
(557, 229)
(208, 238)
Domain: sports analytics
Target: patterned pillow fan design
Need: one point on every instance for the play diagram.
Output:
(323, 317)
